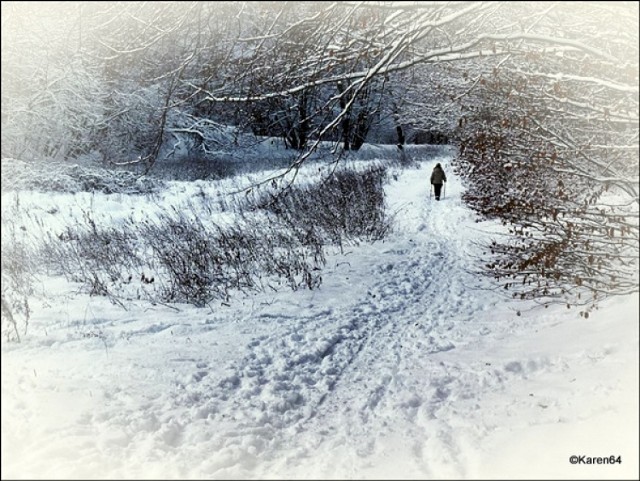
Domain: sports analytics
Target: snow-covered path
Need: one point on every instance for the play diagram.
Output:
(356, 369)
(400, 366)
(416, 305)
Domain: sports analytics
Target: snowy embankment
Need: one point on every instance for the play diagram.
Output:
(404, 364)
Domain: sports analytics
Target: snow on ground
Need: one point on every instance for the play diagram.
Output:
(404, 364)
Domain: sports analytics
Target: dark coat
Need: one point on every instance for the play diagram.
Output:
(438, 176)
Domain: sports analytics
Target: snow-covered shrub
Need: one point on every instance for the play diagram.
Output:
(195, 167)
(204, 261)
(293, 254)
(102, 259)
(18, 276)
(186, 255)
(62, 177)
(182, 254)
(347, 207)
(179, 257)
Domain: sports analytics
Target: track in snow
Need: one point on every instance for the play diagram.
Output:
(397, 367)
(325, 381)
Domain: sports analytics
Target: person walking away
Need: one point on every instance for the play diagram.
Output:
(437, 178)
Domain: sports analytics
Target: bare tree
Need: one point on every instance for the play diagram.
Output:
(549, 145)
(545, 96)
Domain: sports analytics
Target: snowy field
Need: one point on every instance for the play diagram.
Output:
(404, 364)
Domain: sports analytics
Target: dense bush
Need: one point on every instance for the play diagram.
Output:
(178, 257)
(183, 255)
(347, 207)
(59, 177)
(102, 259)
(18, 276)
